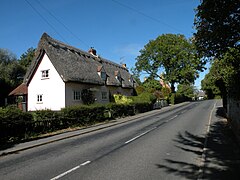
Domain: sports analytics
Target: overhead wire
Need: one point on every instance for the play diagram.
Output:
(46, 21)
(146, 15)
(60, 22)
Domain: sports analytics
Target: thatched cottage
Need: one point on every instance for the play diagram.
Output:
(59, 73)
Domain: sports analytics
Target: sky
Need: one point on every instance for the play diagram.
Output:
(117, 29)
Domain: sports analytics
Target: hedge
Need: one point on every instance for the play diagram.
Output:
(16, 125)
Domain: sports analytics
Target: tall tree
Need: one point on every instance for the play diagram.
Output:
(7, 58)
(172, 54)
(218, 26)
(186, 90)
(27, 57)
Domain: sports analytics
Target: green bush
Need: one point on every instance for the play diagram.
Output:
(144, 97)
(84, 115)
(45, 114)
(141, 107)
(121, 99)
(13, 123)
(87, 97)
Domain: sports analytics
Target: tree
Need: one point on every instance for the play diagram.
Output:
(152, 85)
(186, 90)
(7, 58)
(218, 26)
(12, 71)
(214, 83)
(27, 57)
(209, 86)
(172, 54)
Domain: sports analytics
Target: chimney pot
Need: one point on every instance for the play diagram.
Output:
(92, 51)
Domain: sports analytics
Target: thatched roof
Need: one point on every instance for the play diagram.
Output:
(75, 65)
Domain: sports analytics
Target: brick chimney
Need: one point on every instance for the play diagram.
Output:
(92, 51)
(124, 65)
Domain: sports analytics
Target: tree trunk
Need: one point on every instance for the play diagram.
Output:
(172, 88)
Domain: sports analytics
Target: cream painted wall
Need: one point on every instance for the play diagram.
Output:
(97, 91)
(52, 88)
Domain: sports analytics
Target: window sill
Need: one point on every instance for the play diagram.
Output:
(45, 78)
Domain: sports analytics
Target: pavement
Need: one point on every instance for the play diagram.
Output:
(73, 133)
(222, 149)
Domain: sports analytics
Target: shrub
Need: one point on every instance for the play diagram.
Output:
(144, 97)
(121, 99)
(84, 115)
(45, 114)
(13, 123)
(87, 97)
(141, 107)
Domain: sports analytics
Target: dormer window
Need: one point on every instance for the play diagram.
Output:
(118, 76)
(103, 76)
(102, 73)
(45, 74)
(131, 79)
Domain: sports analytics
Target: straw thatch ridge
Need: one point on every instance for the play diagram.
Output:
(75, 65)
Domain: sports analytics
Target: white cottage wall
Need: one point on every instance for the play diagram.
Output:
(52, 88)
(97, 91)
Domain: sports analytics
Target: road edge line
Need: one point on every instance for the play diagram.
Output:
(204, 154)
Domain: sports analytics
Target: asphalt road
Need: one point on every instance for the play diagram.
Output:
(167, 145)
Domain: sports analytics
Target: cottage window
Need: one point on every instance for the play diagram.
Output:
(131, 79)
(39, 98)
(118, 77)
(45, 74)
(104, 96)
(103, 76)
(76, 95)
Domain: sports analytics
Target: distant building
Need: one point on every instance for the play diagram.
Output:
(201, 95)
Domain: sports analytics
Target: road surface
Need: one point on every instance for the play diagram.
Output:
(167, 145)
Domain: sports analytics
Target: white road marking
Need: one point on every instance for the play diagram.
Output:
(70, 170)
(173, 117)
(85, 163)
(140, 135)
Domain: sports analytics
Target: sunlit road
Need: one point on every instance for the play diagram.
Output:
(167, 145)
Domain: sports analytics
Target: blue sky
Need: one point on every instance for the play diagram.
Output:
(117, 29)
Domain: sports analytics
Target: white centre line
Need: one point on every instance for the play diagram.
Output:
(173, 117)
(140, 135)
(70, 170)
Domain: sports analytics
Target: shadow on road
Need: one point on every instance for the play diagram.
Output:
(222, 155)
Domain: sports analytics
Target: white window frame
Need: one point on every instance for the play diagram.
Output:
(39, 98)
(45, 74)
(76, 95)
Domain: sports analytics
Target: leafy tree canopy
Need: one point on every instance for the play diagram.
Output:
(152, 85)
(218, 26)
(12, 70)
(187, 90)
(172, 54)
(6, 56)
(27, 57)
